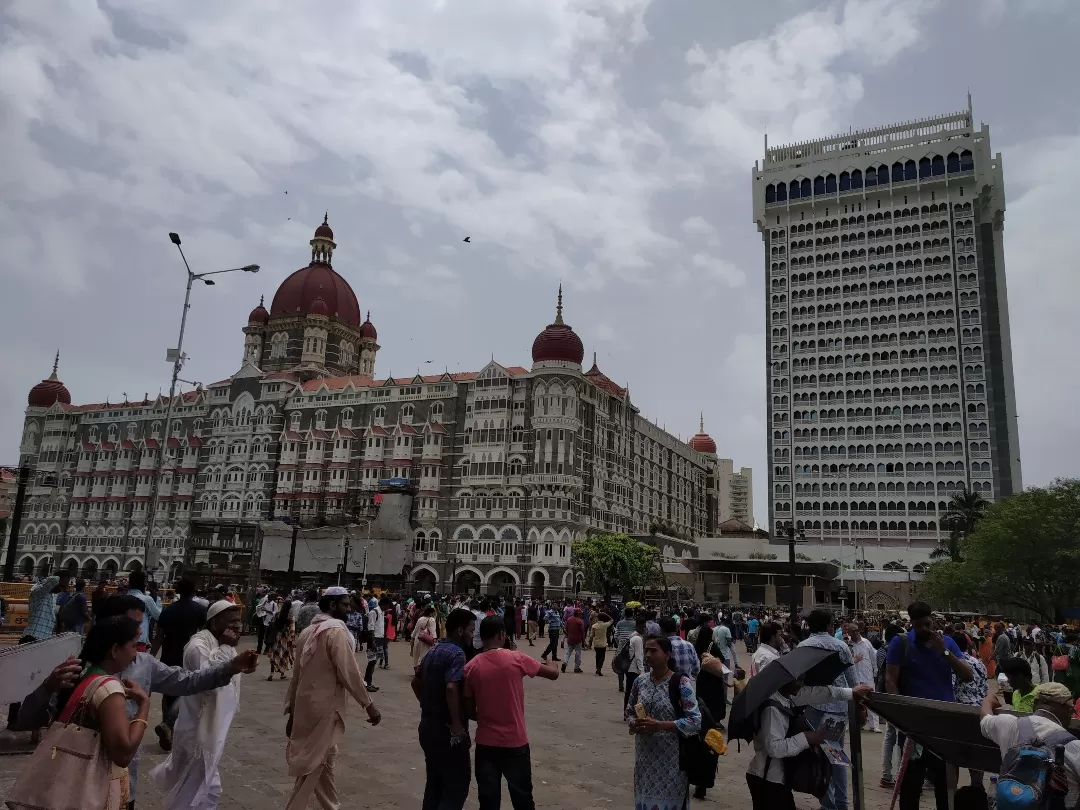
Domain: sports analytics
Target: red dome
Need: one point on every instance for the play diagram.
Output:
(558, 341)
(259, 314)
(703, 443)
(324, 229)
(367, 329)
(49, 391)
(298, 293)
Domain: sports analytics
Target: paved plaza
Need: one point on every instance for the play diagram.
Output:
(582, 754)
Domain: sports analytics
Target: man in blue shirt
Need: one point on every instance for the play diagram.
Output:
(444, 728)
(921, 664)
(751, 633)
(554, 624)
(136, 586)
(820, 624)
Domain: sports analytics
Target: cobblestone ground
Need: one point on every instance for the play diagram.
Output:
(581, 753)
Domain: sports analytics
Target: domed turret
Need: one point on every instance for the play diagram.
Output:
(558, 342)
(259, 315)
(367, 329)
(703, 442)
(49, 391)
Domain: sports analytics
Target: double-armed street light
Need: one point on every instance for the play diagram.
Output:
(176, 357)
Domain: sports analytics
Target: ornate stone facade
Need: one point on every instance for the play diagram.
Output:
(509, 464)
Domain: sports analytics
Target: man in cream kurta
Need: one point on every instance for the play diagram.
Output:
(326, 675)
(190, 777)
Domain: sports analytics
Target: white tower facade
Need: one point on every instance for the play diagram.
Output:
(889, 357)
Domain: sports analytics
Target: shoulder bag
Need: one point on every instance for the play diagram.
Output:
(69, 769)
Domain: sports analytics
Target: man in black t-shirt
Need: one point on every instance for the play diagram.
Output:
(178, 623)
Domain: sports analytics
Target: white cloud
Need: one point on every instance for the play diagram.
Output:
(794, 83)
(719, 269)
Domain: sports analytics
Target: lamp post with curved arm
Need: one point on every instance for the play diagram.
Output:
(176, 357)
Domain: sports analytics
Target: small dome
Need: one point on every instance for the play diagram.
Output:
(702, 442)
(259, 315)
(558, 341)
(49, 391)
(367, 329)
(324, 231)
(319, 307)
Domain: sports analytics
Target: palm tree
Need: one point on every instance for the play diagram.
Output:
(966, 509)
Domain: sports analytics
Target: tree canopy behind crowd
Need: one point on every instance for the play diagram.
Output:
(1025, 552)
(615, 563)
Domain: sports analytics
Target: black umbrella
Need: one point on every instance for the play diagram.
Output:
(813, 665)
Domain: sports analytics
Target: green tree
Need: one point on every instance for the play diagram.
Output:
(966, 509)
(615, 563)
(1024, 551)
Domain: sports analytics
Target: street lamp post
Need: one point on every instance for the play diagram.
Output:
(177, 358)
(795, 536)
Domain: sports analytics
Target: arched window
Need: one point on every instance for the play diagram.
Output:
(954, 163)
(882, 175)
(770, 194)
(407, 414)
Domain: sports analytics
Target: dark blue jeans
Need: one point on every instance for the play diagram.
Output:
(492, 765)
(449, 772)
(552, 648)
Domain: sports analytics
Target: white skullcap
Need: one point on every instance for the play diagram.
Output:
(218, 607)
(335, 590)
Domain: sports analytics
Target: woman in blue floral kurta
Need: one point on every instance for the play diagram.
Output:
(658, 782)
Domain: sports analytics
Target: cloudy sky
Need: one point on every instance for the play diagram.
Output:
(604, 143)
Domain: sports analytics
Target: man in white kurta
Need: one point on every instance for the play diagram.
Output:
(189, 777)
(865, 670)
(326, 676)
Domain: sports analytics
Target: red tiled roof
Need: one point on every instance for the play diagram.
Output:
(194, 441)
(436, 427)
(603, 382)
(292, 436)
(173, 442)
(376, 430)
(408, 430)
(127, 444)
(322, 435)
(89, 446)
(151, 443)
(346, 433)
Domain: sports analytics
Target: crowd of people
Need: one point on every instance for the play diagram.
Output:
(676, 669)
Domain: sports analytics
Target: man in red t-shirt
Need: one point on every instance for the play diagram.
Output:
(495, 698)
(575, 638)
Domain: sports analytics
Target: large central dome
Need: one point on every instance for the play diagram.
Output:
(317, 289)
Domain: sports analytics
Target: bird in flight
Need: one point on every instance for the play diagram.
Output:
(429, 361)
(467, 239)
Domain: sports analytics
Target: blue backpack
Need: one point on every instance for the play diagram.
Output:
(1024, 783)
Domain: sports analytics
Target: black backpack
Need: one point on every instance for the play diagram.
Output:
(707, 722)
(809, 771)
